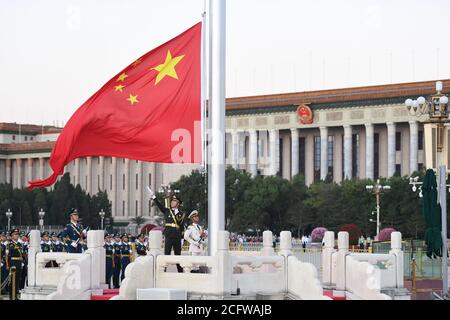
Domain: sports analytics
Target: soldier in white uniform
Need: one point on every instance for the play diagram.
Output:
(195, 235)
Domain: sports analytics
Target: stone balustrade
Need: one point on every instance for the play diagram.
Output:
(70, 276)
(362, 275)
(260, 273)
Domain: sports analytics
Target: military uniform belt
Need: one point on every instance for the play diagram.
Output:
(109, 256)
(125, 255)
(17, 258)
(174, 225)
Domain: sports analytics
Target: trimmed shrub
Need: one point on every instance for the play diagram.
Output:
(354, 233)
(318, 233)
(385, 234)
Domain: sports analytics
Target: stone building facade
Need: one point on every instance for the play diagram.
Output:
(363, 132)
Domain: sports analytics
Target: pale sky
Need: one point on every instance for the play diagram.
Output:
(54, 54)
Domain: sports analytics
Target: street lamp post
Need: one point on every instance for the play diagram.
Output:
(102, 216)
(436, 108)
(378, 189)
(41, 214)
(9, 215)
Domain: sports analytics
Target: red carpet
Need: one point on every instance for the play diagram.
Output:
(329, 293)
(107, 294)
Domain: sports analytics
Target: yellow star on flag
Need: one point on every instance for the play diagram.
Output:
(119, 88)
(122, 77)
(133, 99)
(167, 68)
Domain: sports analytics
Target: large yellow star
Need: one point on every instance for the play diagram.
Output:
(167, 68)
(133, 99)
(122, 77)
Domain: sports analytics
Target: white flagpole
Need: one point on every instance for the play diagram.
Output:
(216, 181)
(203, 91)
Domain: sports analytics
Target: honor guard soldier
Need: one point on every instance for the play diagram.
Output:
(46, 244)
(175, 220)
(57, 245)
(73, 233)
(195, 235)
(141, 248)
(3, 244)
(109, 250)
(116, 258)
(14, 258)
(25, 244)
(125, 255)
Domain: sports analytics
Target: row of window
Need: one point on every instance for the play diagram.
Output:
(111, 179)
(25, 138)
(355, 155)
(136, 207)
(261, 146)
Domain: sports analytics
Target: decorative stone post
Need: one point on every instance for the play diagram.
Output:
(33, 249)
(267, 249)
(285, 243)
(155, 242)
(95, 241)
(340, 263)
(224, 269)
(327, 256)
(396, 249)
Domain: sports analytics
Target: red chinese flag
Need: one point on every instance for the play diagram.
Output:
(150, 111)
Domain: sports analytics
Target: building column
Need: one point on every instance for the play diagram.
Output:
(413, 146)
(337, 158)
(309, 158)
(114, 211)
(102, 173)
(126, 192)
(294, 152)
(369, 150)
(348, 142)
(30, 169)
(391, 148)
(89, 175)
(41, 168)
(234, 149)
(8, 171)
(253, 153)
(19, 173)
(274, 139)
(323, 152)
(77, 172)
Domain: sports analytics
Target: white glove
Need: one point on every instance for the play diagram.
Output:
(74, 244)
(130, 251)
(152, 195)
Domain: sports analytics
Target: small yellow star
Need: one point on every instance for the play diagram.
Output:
(167, 68)
(122, 77)
(133, 99)
(119, 88)
(136, 62)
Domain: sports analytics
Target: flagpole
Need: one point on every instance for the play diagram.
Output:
(204, 114)
(216, 182)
